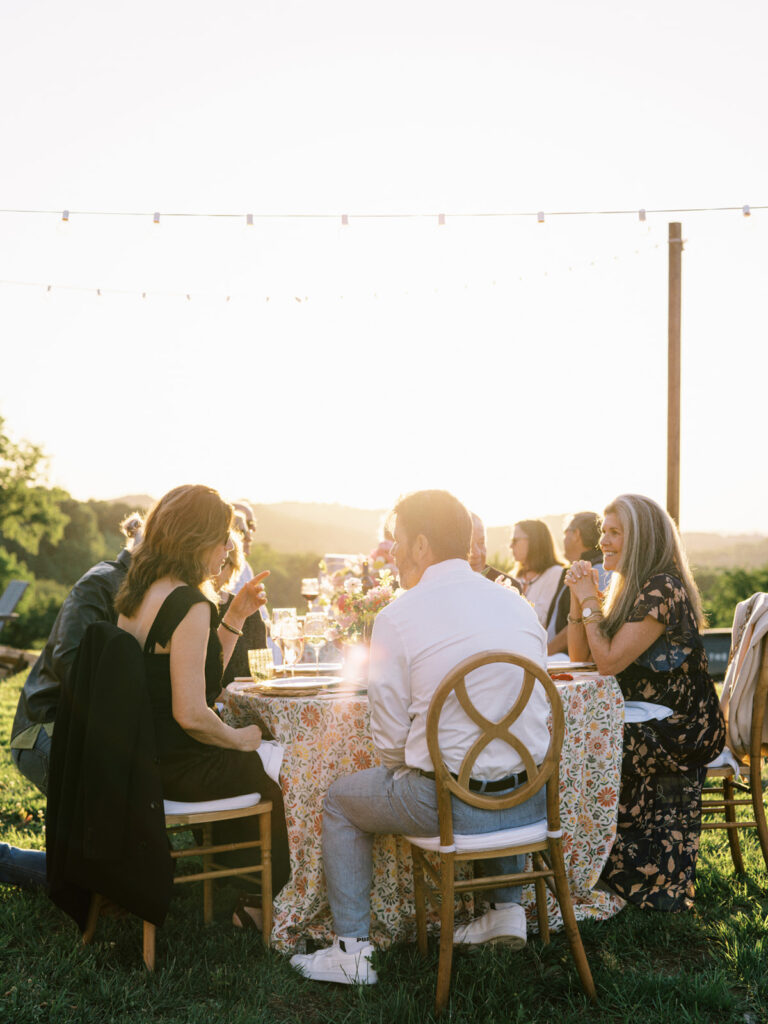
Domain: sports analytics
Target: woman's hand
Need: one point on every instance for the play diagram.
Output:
(581, 579)
(248, 600)
(249, 737)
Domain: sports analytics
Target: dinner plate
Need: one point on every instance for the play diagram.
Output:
(332, 667)
(571, 666)
(300, 686)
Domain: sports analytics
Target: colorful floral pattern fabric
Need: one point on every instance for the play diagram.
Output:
(653, 862)
(326, 737)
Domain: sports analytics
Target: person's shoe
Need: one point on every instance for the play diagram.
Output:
(334, 964)
(505, 925)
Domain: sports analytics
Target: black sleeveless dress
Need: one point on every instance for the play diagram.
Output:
(191, 770)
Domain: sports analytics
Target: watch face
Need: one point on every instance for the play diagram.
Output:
(588, 613)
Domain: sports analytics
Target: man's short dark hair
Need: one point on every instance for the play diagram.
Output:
(442, 519)
(588, 524)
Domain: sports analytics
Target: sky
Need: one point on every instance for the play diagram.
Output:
(520, 364)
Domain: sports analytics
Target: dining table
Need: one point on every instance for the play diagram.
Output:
(326, 733)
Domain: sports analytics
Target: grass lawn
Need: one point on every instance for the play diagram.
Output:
(706, 966)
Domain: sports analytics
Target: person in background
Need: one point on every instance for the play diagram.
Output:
(447, 613)
(581, 541)
(90, 600)
(478, 554)
(254, 629)
(245, 524)
(646, 632)
(537, 565)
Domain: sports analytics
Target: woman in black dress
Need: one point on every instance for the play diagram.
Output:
(167, 602)
(645, 631)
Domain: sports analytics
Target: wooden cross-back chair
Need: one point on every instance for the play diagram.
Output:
(722, 800)
(184, 817)
(542, 840)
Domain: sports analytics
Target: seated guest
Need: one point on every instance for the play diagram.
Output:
(254, 629)
(245, 525)
(581, 541)
(168, 604)
(537, 566)
(90, 600)
(478, 553)
(447, 614)
(646, 633)
(24, 868)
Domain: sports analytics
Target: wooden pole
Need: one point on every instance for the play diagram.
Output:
(673, 371)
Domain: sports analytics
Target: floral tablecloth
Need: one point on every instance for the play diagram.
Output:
(328, 736)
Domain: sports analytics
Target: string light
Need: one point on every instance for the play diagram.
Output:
(250, 218)
(101, 292)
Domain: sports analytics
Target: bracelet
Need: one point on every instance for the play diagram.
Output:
(594, 617)
(574, 621)
(226, 625)
(590, 599)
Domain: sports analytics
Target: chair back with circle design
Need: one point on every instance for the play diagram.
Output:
(545, 773)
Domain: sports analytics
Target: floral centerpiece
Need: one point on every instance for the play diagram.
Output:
(352, 607)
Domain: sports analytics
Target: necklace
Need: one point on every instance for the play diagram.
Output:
(528, 580)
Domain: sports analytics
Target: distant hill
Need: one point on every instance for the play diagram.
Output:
(293, 527)
(139, 502)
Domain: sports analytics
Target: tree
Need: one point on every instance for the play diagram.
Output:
(29, 510)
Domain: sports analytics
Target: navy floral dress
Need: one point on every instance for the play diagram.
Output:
(653, 861)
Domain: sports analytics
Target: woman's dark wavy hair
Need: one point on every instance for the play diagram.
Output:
(179, 532)
(541, 546)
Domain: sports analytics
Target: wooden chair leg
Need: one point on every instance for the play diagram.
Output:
(265, 834)
(541, 900)
(420, 899)
(149, 945)
(729, 793)
(758, 805)
(569, 919)
(447, 899)
(207, 882)
(93, 917)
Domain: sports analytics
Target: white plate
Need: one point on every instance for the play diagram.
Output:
(571, 666)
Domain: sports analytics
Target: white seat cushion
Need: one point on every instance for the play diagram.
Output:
(230, 803)
(533, 833)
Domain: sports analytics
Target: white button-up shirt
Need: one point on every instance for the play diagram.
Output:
(452, 614)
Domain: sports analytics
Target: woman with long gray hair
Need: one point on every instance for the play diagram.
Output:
(645, 630)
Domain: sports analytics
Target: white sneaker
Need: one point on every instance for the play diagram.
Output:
(505, 925)
(333, 964)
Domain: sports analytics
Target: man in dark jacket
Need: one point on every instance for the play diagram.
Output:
(90, 600)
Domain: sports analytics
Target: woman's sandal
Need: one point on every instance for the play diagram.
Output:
(247, 912)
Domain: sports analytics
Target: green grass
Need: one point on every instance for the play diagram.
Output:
(708, 966)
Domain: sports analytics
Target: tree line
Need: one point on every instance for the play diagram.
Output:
(50, 539)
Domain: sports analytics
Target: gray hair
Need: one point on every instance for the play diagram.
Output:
(652, 545)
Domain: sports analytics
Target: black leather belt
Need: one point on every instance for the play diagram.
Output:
(511, 781)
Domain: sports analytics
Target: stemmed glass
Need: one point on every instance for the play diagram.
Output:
(281, 628)
(310, 590)
(292, 643)
(316, 625)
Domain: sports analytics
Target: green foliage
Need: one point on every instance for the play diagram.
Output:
(37, 612)
(284, 584)
(29, 511)
(722, 591)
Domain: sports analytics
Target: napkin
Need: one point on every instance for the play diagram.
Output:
(271, 754)
(643, 711)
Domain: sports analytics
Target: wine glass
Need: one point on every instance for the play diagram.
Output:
(316, 625)
(292, 642)
(280, 618)
(310, 590)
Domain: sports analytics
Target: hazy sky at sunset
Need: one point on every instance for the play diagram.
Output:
(521, 365)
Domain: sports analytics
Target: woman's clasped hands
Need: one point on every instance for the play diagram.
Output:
(582, 579)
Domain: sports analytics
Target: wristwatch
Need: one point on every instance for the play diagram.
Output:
(587, 613)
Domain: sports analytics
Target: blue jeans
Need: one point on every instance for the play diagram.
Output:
(371, 802)
(34, 764)
(25, 868)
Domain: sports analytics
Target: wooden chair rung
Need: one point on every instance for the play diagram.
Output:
(212, 870)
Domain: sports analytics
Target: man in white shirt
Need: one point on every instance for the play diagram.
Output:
(448, 613)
